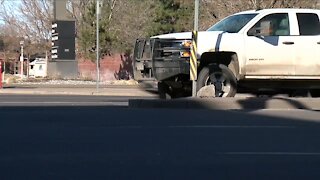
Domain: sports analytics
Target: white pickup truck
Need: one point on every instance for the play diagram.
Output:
(276, 49)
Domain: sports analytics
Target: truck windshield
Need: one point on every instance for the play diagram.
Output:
(232, 24)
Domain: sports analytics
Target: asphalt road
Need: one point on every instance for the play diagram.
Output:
(115, 142)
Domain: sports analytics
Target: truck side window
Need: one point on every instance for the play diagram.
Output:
(308, 24)
(147, 50)
(272, 25)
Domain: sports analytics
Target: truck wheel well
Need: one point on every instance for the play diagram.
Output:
(225, 58)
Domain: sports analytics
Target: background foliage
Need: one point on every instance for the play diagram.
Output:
(122, 21)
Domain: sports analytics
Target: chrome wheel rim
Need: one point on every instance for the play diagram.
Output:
(221, 84)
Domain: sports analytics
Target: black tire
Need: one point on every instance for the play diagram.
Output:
(315, 93)
(164, 91)
(222, 76)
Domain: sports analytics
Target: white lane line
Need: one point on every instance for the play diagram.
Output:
(232, 126)
(164, 127)
(53, 102)
(62, 103)
(273, 153)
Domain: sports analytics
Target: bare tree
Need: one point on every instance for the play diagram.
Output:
(31, 20)
(37, 16)
(9, 37)
(130, 20)
(213, 11)
(77, 9)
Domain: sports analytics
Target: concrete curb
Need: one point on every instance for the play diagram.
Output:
(230, 103)
(69, 86)
(129, 92)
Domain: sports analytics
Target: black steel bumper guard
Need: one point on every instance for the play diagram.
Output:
(159, 59)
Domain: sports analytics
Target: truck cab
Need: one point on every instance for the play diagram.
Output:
(259, 49)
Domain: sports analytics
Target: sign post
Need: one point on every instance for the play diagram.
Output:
(21, 59)
(98, 12)
(193, 58)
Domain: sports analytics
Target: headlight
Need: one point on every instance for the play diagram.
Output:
(185, 54)
(186, 44)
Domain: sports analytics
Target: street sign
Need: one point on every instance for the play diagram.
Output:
(63, 40)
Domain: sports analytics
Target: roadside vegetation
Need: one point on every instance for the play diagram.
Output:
(121, 23)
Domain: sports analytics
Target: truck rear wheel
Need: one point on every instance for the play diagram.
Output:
(219, 77)
(164, 90)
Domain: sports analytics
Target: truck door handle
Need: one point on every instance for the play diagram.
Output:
(288, 43)
(318, 42)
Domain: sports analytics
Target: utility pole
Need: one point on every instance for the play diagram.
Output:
(196, 15)
(98, 12)
(21, 59)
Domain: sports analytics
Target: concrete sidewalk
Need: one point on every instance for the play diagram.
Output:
(78, 90)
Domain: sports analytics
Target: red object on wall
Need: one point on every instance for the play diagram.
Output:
(1, 74)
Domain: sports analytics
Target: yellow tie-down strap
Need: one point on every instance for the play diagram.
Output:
(193, 57)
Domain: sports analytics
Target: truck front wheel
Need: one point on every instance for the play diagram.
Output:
(220, 78)
(164, 90)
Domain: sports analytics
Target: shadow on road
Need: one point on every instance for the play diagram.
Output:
(20, 87)
(96, 142)
(249, 104)
(262, 103)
